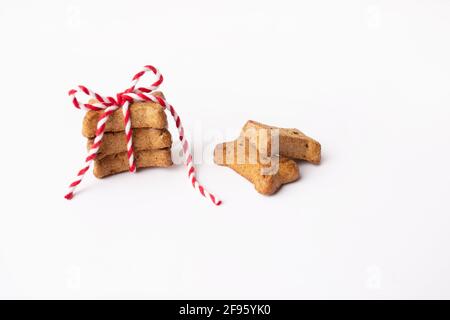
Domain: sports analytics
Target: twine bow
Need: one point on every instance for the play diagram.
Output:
(122, 101)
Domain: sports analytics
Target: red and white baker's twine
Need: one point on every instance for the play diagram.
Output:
(123, 100)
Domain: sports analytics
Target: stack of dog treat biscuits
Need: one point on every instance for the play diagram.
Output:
(151, 140)
(265, 155)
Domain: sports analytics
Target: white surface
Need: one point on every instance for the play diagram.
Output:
(369, 79)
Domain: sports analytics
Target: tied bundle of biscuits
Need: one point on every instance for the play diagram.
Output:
(151, 140)
(265, 155)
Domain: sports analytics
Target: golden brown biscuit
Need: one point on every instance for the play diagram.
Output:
(267, 174)
(119, 162)
(143, 115)
(292, 143)
(143, 139)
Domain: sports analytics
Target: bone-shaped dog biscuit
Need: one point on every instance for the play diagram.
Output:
(143, 115)
(292, 143)
(267, 174)
(116, 163)
(143, 139)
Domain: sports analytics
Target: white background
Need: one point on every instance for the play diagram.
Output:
(369, 79)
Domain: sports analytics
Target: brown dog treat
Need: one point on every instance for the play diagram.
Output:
(267, 177)
(119, 162)
(143, 115)
(292, 142)
(143, 139)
